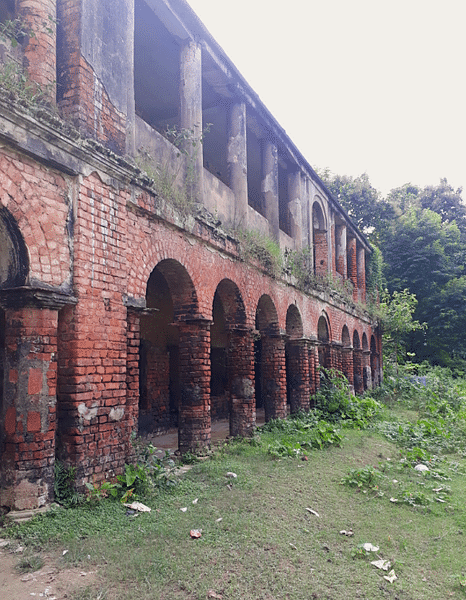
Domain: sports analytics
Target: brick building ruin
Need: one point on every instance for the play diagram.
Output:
(126, 309)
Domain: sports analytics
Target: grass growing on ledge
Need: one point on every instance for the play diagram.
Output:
(274, 531)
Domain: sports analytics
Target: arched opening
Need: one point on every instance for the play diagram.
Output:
(14, 268)
(323, 335)
(170, 297)
(374, 362)
(366, 378)
(231, 385)
(319, 240)
(347, 356)
(269, 362)
(295, 355)
(357, 364)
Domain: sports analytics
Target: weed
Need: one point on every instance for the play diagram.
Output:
(364, 478)
(29, 564)
(64, 485)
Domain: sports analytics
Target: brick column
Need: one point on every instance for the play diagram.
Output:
(353, 266)
(335, 352)
(30, 396)
(40, 49)
(237, 163)
(347, 364)
(270, 187)
(320, 252)
(274, 377)
(241, 382)
(191, 111)
(361, 267)
(299, 384)
(194, 430)
(132, 373)
(358, 380)
(314, 380)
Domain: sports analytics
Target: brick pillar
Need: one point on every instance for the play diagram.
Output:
(361, 267)
(314, 380)
(294, 208)
(270, 187)
(336, 359)
(29, 399)
(132, 373)
(274, 377)
(241, 382)
(358, 380)
(299, 383)
(191, 111)
(320, 252)
(347, 364)
(341, 265)
(194, 430)
(353, 266)
(40, 49)
(237, 163)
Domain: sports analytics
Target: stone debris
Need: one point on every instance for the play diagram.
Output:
(421, 468)
(195, 533)
(231, 475)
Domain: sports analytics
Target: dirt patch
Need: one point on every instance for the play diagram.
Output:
(53, 581)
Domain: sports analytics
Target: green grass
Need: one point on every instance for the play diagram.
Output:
(267, 544)
(259, 541)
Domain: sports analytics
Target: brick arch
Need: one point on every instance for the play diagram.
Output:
(324, 333)
(14, 257)
(365, 344)
(40, 210)
(181, 288)
(318, 214)
(146, 257)
(345, 337)
(232, 302)
(267, 316)
(294, 323)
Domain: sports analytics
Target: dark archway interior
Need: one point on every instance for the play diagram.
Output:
(219, 361)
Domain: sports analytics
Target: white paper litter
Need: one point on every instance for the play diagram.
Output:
(370, 548)
(391, 576)
(382, 564)
(184, 509)
(313, 512)
(138, 506)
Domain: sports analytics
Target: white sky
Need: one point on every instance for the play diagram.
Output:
(375, 86)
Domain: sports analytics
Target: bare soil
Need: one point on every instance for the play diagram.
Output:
(54, 581)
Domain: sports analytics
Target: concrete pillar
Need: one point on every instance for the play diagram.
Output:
(241, 382)
(237, 163)
(298, 375)
(40, 48)
(194, 430)
(361, 268)
(191, 114)
(274, 377)
(270, 187)
(367, 376)
(341, 264)
(353, 266)
(295, 208)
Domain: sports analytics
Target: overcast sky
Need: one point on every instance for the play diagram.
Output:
(375, 86)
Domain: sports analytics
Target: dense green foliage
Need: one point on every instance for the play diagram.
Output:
(421, 234)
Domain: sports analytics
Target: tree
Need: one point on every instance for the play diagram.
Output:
(360, 199)
(397, 321)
